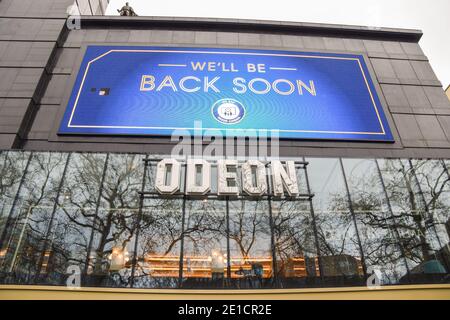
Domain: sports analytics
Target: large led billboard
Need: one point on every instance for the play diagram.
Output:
(134, 90)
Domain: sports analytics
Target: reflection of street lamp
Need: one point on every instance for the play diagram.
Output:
(67, 195)
(118, 258)
(217, 264)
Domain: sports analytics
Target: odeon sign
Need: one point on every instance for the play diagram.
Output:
(253, 177)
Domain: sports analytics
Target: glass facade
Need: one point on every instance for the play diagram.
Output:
(100, 214)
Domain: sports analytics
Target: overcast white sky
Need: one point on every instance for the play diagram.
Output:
(431, 16)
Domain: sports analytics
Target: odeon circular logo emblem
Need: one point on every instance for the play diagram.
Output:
(228, 111)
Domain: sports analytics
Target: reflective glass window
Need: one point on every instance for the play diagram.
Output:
(375, 222)
(417, 234)
(116, 222)
(250, 244)
(205, 244)
(25, 258)
(12, 167)
(340, 254)
(159, 244)
(295, 247)
(73, 222)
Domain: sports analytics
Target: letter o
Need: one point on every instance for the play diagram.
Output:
(284, 93)
(268, 86)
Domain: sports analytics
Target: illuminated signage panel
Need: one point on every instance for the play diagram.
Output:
(155, 90)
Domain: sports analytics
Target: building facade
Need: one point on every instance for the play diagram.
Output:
(85, 209)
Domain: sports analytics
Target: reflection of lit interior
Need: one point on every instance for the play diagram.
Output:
(215, 265)
(204, 266)
(118, 258)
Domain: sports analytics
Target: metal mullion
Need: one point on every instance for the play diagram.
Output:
(271, 226)
(138, 227)
(313, 216)
(183, 218)
(352, 212)
(227, 217)
(397, 234)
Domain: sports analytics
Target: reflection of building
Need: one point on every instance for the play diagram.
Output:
(360, 204)
(335, 266)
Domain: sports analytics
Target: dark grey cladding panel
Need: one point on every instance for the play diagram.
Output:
(445, 124)
(65, 60)
(413, 51)
(438, 99)
(432, 131)
(180, 37)
(7, 140)
(118, 36)
(249, 39)
(19, 82)
(161, 36)
(227, 38)
(56, 89)
(24, 53)
(314, 43)
(375, 49)
(394, 50)
(76, 38)
(417, 99)
(11, 114)
(45, 118)
(425, 73)
(203, 37)
(396, 98)
(33, 8)
(409, 130)
(384, 71)
(335, 44)
(91, 35)
(143, 36)
(30, 29)
(271, 40)
(289, 41)
(354, 45)
(404, 71)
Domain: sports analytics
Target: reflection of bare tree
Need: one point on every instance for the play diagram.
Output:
(205, 225)
(114, 221)
(32, 216)
(77, 204)
(12, 165)
(411, 218)
(160, 226)
(409, 224)
(248, 220)
(11, 170)
(293, 231)
(293, 237)
(434, 181)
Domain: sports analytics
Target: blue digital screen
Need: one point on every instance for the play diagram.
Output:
(130, 90)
